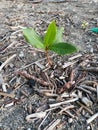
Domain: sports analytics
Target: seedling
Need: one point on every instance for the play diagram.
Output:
(84, 24)
(52, 41)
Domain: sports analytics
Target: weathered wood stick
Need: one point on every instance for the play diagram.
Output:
(91, 69)
(86, 101)
(86, 108)
(7, 94)
(64, 102)
(92, 118)
(7, 61)
(28, 76)
(53, 124)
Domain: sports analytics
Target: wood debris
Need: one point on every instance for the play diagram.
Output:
(53, 124)
(92, 118)
(7, 61)
(30, 117)
(12, 95)
(28, 76)
(64, 102)
(65, 88)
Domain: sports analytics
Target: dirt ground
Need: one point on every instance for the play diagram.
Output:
(26, 96)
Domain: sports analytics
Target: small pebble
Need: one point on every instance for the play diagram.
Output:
(11, 65)
(21, 55)
(61, 77)
(29, 129)
(70, 120)
(83, 112)
(88, 127)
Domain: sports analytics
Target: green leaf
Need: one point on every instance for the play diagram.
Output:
(50, 34)
(95, 30)
(32, 38)
(63, 48)
(59, 34)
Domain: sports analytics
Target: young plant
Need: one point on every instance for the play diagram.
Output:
(52, 41)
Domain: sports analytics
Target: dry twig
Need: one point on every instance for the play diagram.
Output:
(28, 76)
(86, 108)
(92, 118)
(53, 124)
(35, 115)
(83, 89)
(7, 95)
(86, 101)
(91, 69)
(91, 83)
(64, 102)
(74, 57)
(7, 61)
(66, 108)
(97, 93)
(89, 88)
(68, 64)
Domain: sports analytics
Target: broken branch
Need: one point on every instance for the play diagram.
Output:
(28, 76)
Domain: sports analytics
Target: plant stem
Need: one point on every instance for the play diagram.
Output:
(47, 56)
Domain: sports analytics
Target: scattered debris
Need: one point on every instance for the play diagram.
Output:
(92, 118)
(34, 95)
